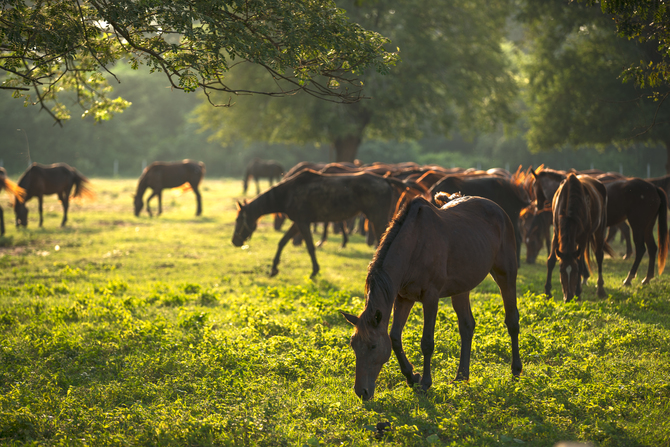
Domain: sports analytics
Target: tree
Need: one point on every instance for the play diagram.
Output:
(576, 95)
(305, 45)
(454, 72)
(647, 22)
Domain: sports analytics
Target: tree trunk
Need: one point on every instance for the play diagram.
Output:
(346, 148)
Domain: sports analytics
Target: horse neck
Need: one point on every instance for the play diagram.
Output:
(267, 203)
(141, 186)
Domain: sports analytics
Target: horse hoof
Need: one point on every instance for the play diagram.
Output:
(645, 281)
(602, 293)
(415, 379)
(626, 282)
(273, 272)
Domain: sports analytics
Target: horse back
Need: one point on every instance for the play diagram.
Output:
(160, 175)
(41, 180)
(453, 248)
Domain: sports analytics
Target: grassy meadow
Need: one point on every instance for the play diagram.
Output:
(119, 330)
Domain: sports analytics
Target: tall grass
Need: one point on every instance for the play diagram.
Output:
(119, 330)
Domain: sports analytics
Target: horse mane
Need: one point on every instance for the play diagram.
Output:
(377, 277)
(573, 209)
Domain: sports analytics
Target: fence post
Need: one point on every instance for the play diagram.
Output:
(144, 165)
(620, 168)
(116, 168)
(648, 170)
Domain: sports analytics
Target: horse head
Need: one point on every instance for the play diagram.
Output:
(372, 346)
(570, 274)
(244, 225)
(21, 213)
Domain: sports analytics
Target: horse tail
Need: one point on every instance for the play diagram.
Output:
(18, 192)
(662, 230)
(82, 190)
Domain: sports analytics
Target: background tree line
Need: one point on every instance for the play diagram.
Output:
(481, 84)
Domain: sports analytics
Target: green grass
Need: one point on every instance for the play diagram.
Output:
(119, 330)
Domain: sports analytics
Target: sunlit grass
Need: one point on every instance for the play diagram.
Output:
(158, 331)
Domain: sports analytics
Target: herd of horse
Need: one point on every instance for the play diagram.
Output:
(439, 232)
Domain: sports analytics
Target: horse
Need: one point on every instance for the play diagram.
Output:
(258, 169)
(535, 229)
(160, 175)
(310, 196)
(579, 210)
(643, 204)
(509, 196)
(12, 188)
(636, 200)
(40, 180)
(425, 254)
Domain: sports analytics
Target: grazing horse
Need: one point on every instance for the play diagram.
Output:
(14, 189)
(636, 200)
(160, 175)
(509, 196)
(43, 180)
(580, 220)
(309, 196)
(258, 169)
(428, 253)
(642, 204)
(535, 229)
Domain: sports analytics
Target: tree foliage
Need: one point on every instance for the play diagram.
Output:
(454, 73)
(575, 90)
(305, 45)
(648, 22)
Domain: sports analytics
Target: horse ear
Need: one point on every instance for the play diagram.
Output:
(350, 318)
(239, 205)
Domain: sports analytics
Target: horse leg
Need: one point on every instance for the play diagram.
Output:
(600, 254)
(198, 199)
(625, 234)
(653, 251)
(345, 237)
(466, 327)
(153, 194)
(309, 242)
(551, 262)
(290, 233)
(324, 235)
(505, 276)
(258, 186)
(160, 202)
(638, 240)
(66, 203)
(39, 207)
(401, 309)
(430, 306)
(2, 222)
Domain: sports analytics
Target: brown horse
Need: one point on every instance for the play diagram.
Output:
(425, 254)
(43, 180)
(309, 196)
(636, 200)
(509, 196)
(535, 229)
(643, 204)
(160, 175)
(14, 189)
(258, 169)
(580, 220)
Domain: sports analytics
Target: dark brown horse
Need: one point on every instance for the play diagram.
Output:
(643, 204)
(258, 169)
(161, 175)
(580, 220)
(535, 229)
(509, 196)
(43, 180)
(633, 199)
(12, 188)
(309, 196)
(428, 253)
